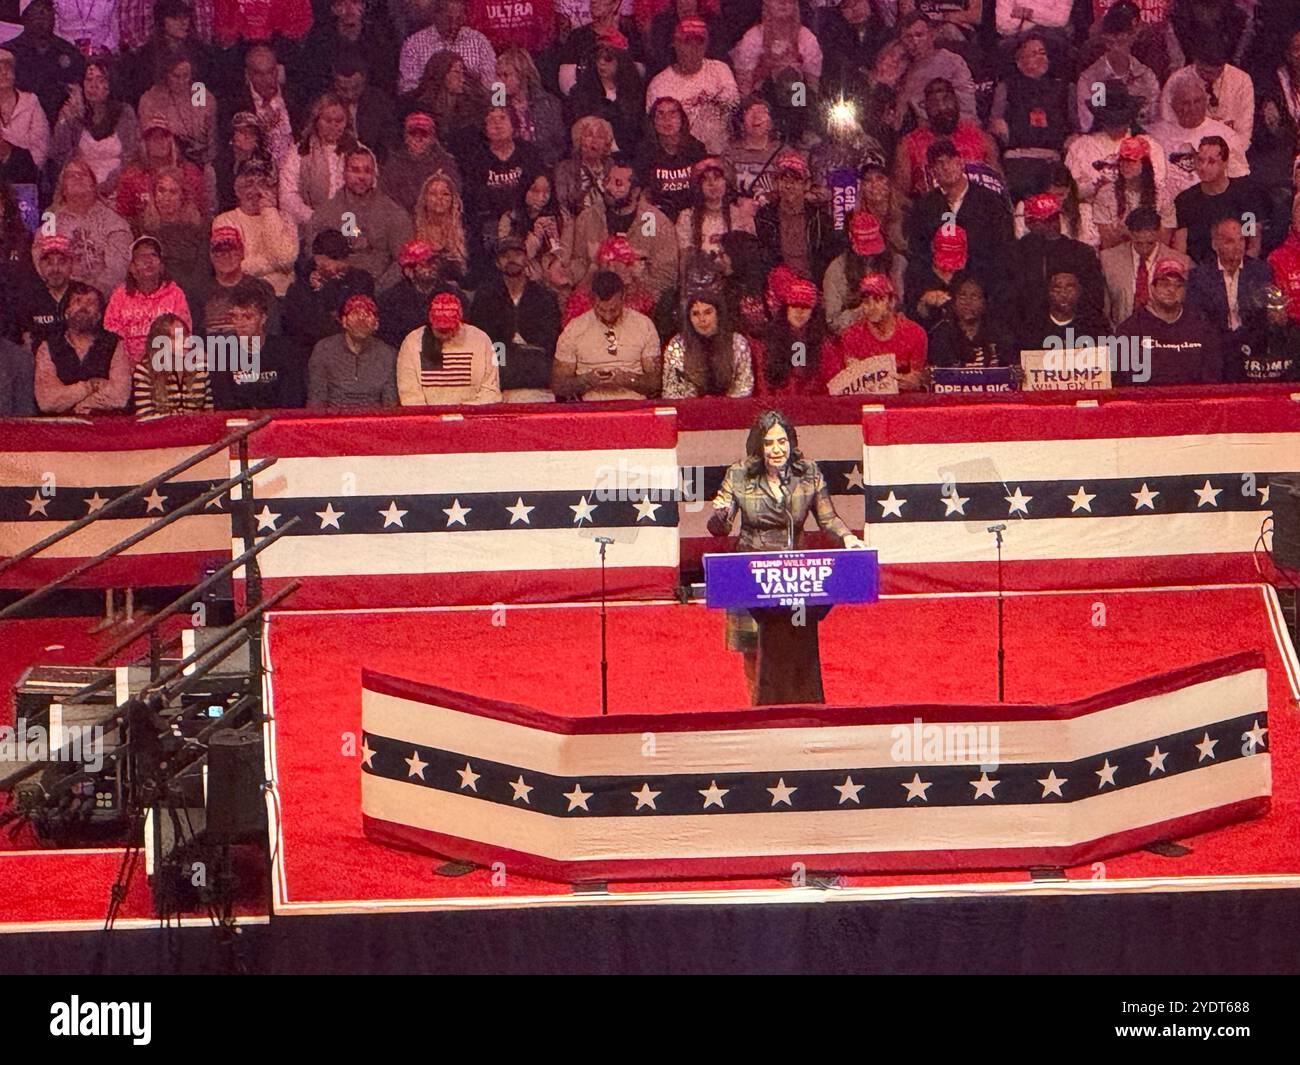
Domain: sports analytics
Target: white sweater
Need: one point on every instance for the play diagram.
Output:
(468, 373)
(270, 245)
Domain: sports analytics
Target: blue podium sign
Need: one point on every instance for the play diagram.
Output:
(741, 580)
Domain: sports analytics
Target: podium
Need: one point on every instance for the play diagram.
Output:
(788, 593)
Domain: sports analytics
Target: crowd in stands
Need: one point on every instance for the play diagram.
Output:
(249, 204)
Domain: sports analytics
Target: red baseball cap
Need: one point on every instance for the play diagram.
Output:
(949, 248)
(224, 237)
(1169, 268)
(54, 244)
(617, 249)
(877, 285)
(612, 38)
(692, 27)
(794, 163)
(1134, 148)
(445, 312)
(1042, 207)
(801, 293)
(414, 252)
(865, 234)
(419, 120)
(360, 303)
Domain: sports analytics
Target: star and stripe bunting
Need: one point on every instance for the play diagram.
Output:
(746, 792)
(55, 472)
(433, 509)
(1116, 494)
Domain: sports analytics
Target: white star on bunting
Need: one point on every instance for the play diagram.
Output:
(520, 512)
(154, 501)
(329, 516)
(415, 767)
(1052, 784)
(582, 510)
(1263, 495)
(265, 519)
(646, 509)
(95, 502)
(521, 790)
(367, 755)
(1017, 500)
(1144, 497)
(468, 778)
(1107, 774)
(853, 479)
(891, 504)
(578, 798)
(216, 502)
(713, 795)
(955, 504)
(1157, 761)
(1255, 737)
(37, 505)
(984, 786)
(849, 791)
(781, 793)
(1206, 747)
(456, 514)
(393, 516)
(1082, 500)
(916, 788)
(1207, 494)
(646, 797)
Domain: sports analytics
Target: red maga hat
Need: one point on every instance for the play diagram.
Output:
(617, 249)
(865, 234)
(612, 38)
(1134, 148)
(414, 252)
(1169, 268)
(445, 312)
(226, 237)
(1042, 207)
(877, 285)
(801, 293)
(949, 248)
(692, 27)
(359, 304)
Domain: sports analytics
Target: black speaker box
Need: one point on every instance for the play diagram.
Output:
(1284, 501)
(236, 809)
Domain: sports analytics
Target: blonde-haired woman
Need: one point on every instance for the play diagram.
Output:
(439, 219)
(539, 117)
(166, 381)
(313, 172)
(579, 180)
(100, 237)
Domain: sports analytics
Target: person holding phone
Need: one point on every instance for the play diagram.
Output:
(608, 352)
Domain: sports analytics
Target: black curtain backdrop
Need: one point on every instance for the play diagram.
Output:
(1220, 932)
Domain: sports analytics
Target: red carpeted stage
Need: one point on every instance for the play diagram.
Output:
(668, 658)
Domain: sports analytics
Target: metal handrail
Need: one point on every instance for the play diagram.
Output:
(189, 597)
(182, 511)
(135, 493)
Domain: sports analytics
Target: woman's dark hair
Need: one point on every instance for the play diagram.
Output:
(1061, 178)
(1146, 185)
(106, 124)
(627, 80)
(778, 347)
(959, 280)
(163, 275)
(749, 265)
(754, 99)
(521, 220)
(683, 137)
(697, 210)
(754, 444)
(707, 362)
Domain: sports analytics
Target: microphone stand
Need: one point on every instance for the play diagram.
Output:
(997, 531)
(604, 542)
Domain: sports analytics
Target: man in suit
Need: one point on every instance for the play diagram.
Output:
(1128, 268)
(1231, 290)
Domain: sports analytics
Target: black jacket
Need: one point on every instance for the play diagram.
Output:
(309, 315)
(1029, 264)
(536, 319)
(824, 242)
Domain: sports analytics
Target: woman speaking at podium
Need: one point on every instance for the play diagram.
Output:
(773, 489)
